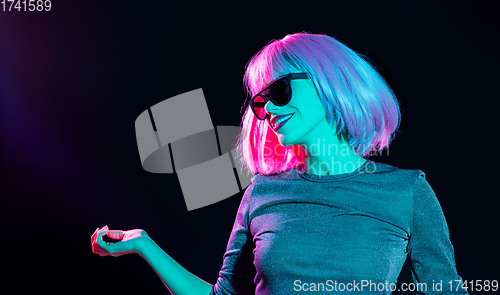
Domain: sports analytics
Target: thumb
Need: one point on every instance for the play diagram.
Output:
(116, 234)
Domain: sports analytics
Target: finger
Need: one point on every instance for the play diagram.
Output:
(119, 248)
(94, 236)
(99, 239)
(99, 246)
(101, 234)
(116, 234)
(97, 249)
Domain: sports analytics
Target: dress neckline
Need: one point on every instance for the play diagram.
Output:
(367, 167)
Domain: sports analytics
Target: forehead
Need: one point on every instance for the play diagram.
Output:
(268, 67)
(275, 76)
(279, 77)
(269, 77)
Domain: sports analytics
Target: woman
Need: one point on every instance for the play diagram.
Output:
(317, 216)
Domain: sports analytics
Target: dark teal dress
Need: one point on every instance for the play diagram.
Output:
(298, 232)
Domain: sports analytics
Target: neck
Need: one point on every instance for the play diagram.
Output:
(331, 157)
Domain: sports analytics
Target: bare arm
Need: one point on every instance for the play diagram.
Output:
(176, 278)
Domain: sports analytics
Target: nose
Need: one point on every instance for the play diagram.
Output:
(270, 108)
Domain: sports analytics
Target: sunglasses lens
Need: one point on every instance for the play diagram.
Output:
(258, 107)
(280, 92)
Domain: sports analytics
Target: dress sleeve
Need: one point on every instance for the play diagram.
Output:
(238, 271)
(430, 249)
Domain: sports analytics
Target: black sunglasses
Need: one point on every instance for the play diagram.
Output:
(278, 92)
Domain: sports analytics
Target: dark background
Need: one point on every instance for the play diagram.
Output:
(74, 79)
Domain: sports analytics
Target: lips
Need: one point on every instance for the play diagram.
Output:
(277, 119)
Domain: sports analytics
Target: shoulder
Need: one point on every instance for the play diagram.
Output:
(409, 189)
(420, 194)
(384, 175)
(373, 167)
(259, 181)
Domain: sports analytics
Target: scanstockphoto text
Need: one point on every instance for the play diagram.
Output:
(333, 152)
(317, 149)
(370, 286)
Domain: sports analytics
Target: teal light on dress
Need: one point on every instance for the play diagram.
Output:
(295, 230)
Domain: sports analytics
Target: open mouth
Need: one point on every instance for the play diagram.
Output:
(279, 123)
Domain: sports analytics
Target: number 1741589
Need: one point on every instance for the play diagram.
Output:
(26, 5)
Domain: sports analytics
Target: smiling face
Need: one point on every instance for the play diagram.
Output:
(307, 123)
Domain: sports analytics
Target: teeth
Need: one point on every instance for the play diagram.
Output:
(283, 119)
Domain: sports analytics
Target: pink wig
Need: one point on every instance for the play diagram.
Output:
(357, 100)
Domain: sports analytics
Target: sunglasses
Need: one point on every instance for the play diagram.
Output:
(278, 92)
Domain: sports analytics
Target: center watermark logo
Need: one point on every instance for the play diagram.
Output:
(177, 136)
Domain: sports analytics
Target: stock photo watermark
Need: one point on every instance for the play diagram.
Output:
(331, 153)
(370, 286)
(328, 150)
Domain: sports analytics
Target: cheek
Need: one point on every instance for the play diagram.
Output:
(312, 115)
(318, 113)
